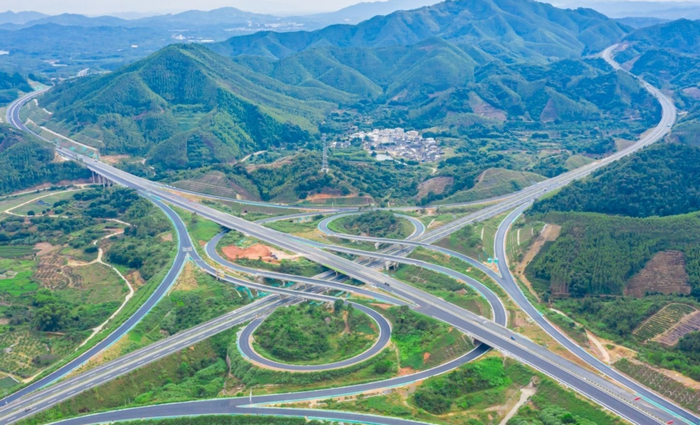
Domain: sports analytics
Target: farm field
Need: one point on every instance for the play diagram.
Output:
(53, 290)
(663, 321)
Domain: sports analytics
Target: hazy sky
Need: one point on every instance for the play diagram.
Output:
(96, 7)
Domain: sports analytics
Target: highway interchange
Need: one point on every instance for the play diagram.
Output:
(614, 397)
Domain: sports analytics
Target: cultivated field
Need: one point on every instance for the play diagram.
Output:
(663, 321)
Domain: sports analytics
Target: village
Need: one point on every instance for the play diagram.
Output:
(388, 144)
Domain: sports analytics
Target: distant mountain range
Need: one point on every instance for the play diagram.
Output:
(668, 55)
(502, 28)
(451, 66)
(666, 10)
(19, 18)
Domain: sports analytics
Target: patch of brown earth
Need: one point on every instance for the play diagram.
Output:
(406, 371)
(426, 356)
(166, 237)
(135, 279)
(484, 109)
(693, 92)
(113, 159)
(549, 113)
(598, 348)
(664, 273)
(256, 251)
(435, 185)
(44, 248)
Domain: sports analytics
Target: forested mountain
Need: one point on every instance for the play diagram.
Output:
(682, 36)
(435, 80)
(185, 107)
(11, 85)
(25, 163)
(668, 55)
(483, 75)
(660, 180)
(506, 29)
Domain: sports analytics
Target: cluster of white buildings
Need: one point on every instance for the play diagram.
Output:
(397, 143)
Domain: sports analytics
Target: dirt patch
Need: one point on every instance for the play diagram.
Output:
(688, 324)
(406, 371)
(135, 279)
(693, 92)
(113, 159)
(44, 248)
(426, 357)
(435, 185)
(382, 306)
(598, 348)
(664, 273)
(484, 109)
(256, 251)
(549, 113)
(166, 237)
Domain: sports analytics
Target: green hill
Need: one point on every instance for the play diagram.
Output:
(11, 85)
(185, 106)
(26, 163)
(661, 180)
(435, 82)
(505, 29)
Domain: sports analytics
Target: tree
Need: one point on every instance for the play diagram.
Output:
(51, 317)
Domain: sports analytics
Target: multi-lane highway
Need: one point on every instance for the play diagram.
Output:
(619, 400)
(615, 398)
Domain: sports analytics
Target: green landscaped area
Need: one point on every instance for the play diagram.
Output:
(315, 334)
(476, 240)
(424, 342)
(195, 298)
(201, 372)
(443, 215)
(481, 392)
(445, 287)
(379, 223)
(519, 237)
